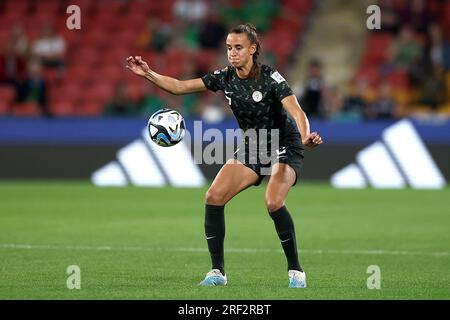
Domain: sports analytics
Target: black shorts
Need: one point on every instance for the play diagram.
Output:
(289, 154)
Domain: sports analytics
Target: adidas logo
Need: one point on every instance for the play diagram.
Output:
(398, 160)
(143, 163)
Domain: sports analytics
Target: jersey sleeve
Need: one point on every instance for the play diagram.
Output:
(280, 87)
(215, 80)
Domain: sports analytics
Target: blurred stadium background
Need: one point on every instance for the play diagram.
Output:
(65, 93)
(67, 105)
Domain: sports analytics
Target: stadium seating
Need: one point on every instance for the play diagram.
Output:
(7, 96)
(376, 65)
(96, 54)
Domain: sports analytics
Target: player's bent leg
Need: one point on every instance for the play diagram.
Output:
(232, 178)
(282, 178)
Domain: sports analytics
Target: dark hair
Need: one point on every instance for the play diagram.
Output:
(250, 30)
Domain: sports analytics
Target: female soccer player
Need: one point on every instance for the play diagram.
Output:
(259, 98)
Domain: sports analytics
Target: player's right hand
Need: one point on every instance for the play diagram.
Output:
(137, 65)
(312, 140)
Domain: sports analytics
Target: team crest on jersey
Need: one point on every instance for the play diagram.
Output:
(257, 96)
(277, 77)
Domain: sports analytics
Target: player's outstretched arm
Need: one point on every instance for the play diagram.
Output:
(310, 140)
(171, 85)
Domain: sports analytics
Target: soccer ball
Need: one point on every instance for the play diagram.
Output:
(166, 127)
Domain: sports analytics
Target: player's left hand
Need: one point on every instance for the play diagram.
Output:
(312, 140)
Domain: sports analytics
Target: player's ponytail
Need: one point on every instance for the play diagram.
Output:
(250, 30)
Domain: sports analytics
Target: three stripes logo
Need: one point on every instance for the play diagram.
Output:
(143, 163)
(399, 159)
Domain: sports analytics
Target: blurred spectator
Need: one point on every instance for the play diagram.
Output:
(433, 88)
(212, 108)
(312, 92)
(355, 104)
(190, 10)
(121, 104)
(153, 101)
(335, 110)
(436, 45)
(212, 32)
(384, 106)
(389, 17)
(156, 36)
(13, 67)
(233, 12)
(19, 41)
(189, 102)
(416, 14)
(406, 50)
(34, 87)
(50, 48)
(332, 102)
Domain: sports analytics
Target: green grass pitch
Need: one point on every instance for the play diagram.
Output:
(148, 243)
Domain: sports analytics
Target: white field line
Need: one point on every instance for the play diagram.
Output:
(239, 250)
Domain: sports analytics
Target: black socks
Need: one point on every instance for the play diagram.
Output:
(215, 234)
(286, 232)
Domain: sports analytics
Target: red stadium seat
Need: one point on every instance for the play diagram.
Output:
(60, 107)
(21, 7)
(303, 6)
(368, 74)
(72, 91)
(9, 19)
(26, 109)
(398, 79)
(98, 92)
(7, 94)
(79, 73)
(136, 21)
(7, 97)
(205, 60)
(136, 91)
(377, 49)
(290, 25)
(88, 55)
(52, 76)
(95, 58)
(95, 39)
(53, 6)
(89, 109)
(86, 6)
(4, 108)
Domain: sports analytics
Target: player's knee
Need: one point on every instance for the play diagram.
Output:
(273, 203)
(214, 197)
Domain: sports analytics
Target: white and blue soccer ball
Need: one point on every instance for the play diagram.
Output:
(166, 127)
